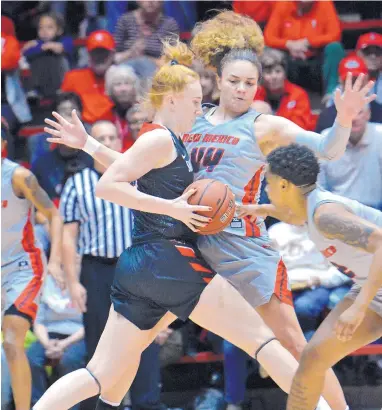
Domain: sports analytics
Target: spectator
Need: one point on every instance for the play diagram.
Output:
(102, 231)
(310, 32)
(48, 56)
(14, 107)
(123, 87)
(60, 338)
(260, 11)
(89, 83)
(208, 83)
(356, 66)
(369, 47)
(90, 23)
(139, 36)
(351, 175)
(53, 166)
(136, 117)
(287, 100)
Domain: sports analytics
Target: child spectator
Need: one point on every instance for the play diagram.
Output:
(48, 56)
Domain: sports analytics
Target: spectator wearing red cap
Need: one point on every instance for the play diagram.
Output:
(310, 32)
(356, 66)
(369, 47)
(89, 83)
(139, 36)
(287, 100)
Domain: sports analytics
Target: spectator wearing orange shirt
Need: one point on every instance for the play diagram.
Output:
(259, 11)
(287, 100)
(89, 83)
(310, 32)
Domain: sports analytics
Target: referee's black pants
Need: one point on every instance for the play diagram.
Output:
(96, 277)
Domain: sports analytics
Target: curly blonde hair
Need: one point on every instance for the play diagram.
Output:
(225, 32)
(175, 73)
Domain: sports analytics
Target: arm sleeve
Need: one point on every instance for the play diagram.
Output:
(68, 44)
(330, 146)
(33, 52)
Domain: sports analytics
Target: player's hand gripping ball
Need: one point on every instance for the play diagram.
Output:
(219, 197)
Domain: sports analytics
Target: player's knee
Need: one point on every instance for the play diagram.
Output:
(313, 357)
(294, 344)
(13, 350)
(104, 378)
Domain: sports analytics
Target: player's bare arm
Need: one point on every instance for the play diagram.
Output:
(335, 222)
(265, 210)
(146, 154)
(25, 185)
(74, 135)
(273, 131)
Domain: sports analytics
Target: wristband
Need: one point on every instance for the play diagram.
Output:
(91, 145)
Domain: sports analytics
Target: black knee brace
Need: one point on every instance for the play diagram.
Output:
(95, 379)
(263, 345)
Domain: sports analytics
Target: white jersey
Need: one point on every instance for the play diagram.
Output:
(229, 153)
(354, 262)
(17, 234)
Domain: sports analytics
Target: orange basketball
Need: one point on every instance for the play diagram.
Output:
(219, 197)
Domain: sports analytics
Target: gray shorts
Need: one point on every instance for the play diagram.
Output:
(21, 282)
(376, 303)
(251, 265)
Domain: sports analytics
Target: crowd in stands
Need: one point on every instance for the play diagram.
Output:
(104, 79)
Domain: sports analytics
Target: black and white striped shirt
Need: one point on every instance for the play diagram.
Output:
(104, 228)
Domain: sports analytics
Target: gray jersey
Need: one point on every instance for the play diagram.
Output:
(17, 234)
(229, 153)
(352, 261)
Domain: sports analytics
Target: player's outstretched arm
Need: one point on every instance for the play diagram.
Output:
(265, 210)
(334, 221)
(27, 186)
(74, 135)
(273, 131)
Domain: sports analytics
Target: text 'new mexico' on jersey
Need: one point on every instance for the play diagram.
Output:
(229, 153)
(168, 182)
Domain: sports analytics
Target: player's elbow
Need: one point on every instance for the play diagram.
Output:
(102, 189)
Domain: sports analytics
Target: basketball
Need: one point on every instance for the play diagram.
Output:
(219, 197)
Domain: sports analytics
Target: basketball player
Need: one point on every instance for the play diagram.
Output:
(162, 276)
(349, 234)
(23, 265)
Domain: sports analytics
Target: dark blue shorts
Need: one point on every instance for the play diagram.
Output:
(156, 277)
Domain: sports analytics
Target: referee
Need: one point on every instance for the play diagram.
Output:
(99, 231)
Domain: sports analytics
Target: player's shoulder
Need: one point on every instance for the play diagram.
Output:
(154, 135)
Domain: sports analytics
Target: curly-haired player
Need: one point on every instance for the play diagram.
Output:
(229, 143)
(349, 234)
